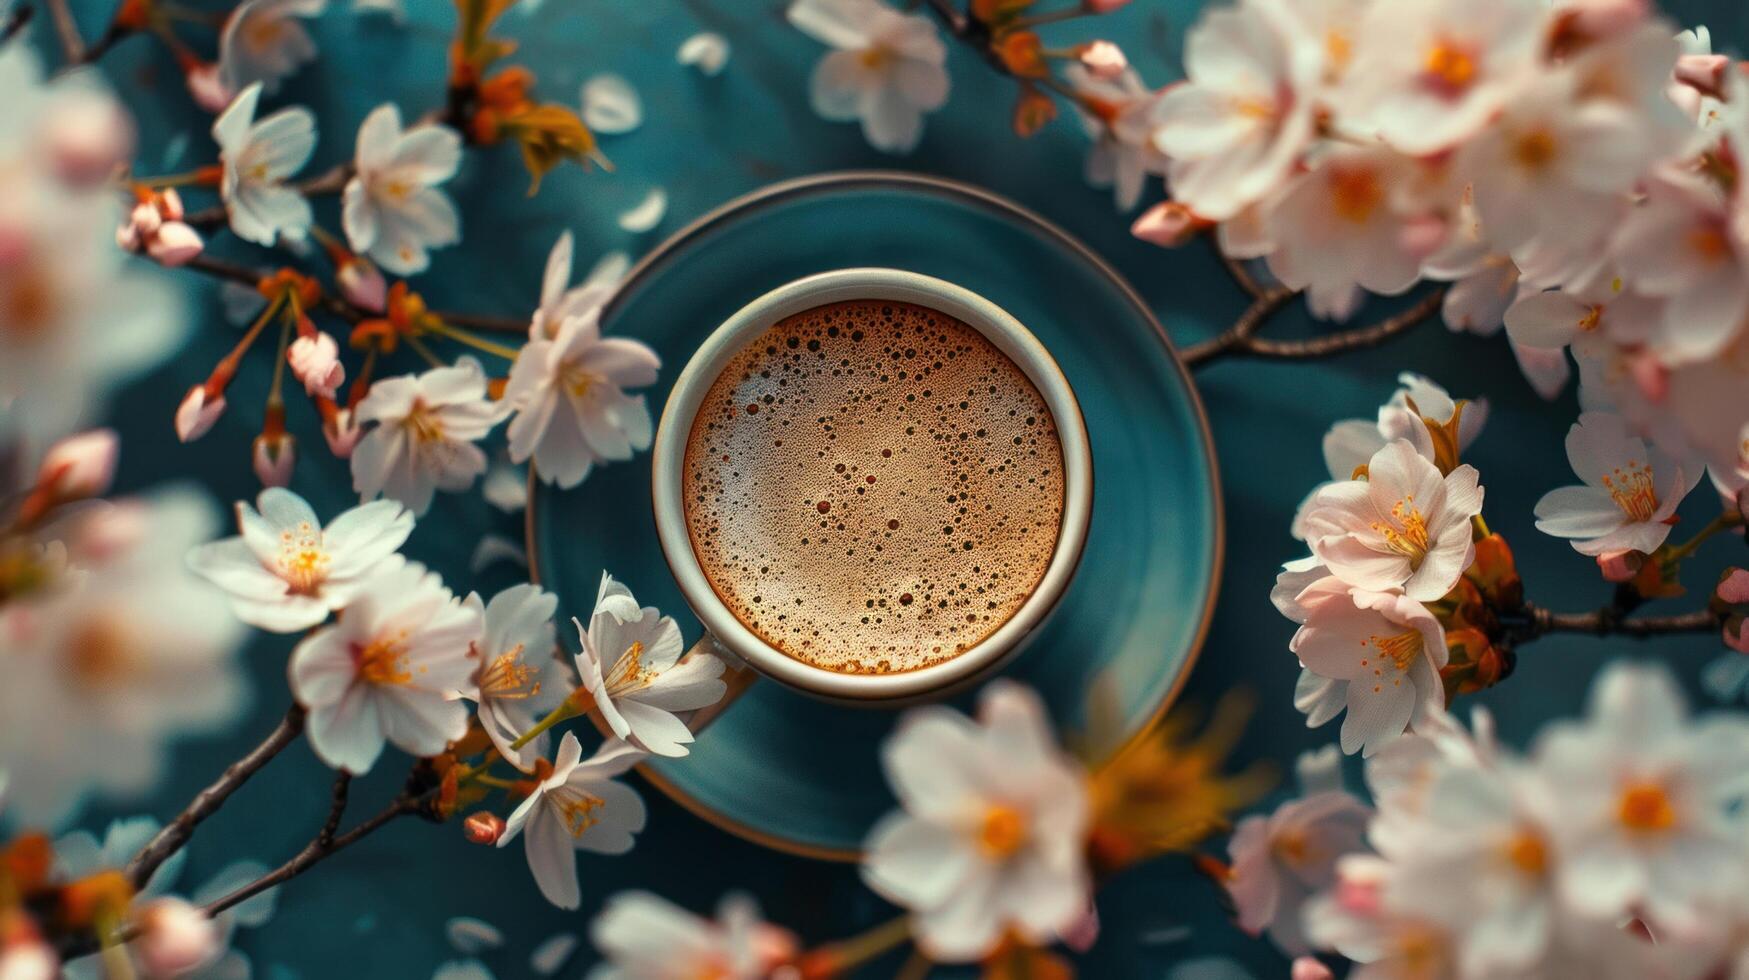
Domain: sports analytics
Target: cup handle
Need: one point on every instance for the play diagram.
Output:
(737, 677)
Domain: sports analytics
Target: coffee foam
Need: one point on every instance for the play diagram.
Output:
(873, 487)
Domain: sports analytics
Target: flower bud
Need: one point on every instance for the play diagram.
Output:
(342, 433)
(80, 465)
(315, 360)
(1103, 59)
(197, 413)
(208, 87)
(274, 458)
(176, 937)
(175, 244)
(1310, 968)
(483, 827)
(1168, 224)
(1620, 566)
(1103, 6)
(362, 283)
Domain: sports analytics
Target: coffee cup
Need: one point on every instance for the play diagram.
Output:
(864, 608)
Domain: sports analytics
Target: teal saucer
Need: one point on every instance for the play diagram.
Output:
(804, 776)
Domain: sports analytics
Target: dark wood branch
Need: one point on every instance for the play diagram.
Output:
(1243, 329)
(493, 324)
(1610, 621)
(1241, 339)
(317, 851)
(16, 21)
(336, 807)
(176, 833)
(67, 30)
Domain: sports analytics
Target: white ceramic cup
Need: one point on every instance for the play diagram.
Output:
(749, 323)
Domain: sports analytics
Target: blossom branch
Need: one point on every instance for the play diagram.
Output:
(318, 850)
(1241, 338)
(177, 832)
(16, 21)
(1610, 621)
(337, 808)
(67, 30)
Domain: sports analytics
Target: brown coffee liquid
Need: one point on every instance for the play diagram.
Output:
(873, 487)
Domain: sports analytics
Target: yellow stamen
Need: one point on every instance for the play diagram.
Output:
(1355, 192)
(303, 562)
(628, 672)
(1292, 847)
(578, 808)
(1709, 243)
(1449, 66)
(1527, 852)
(383, 660)
(1646, 807)
(1406, 533)
(1535, 150)
(1002, 832)
(425, 426)
(1631, 487)
(101, 653)
(507, 678)
(875, 57)
(578, 381)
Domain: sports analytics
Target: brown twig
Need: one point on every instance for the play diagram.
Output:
(336, 808)
(67, 29)
(1242, 275)
(330, 181)
(1241, 338)
(1243, 329)
(494, 324)
(205, 803)
(16, 21)
(1610, 621)
(317, 851)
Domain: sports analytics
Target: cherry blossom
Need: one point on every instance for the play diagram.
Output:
(1629, 495)
(122, 638)
(559, 301)
(519, 677)
(1117, 112)
(1681, 245)
(1404, 527)
(886, 68)
(643, 935)
(385, 671)
(640, 673)
(258, 156)
(392, 209)
(1237, 127)
(992, 829)
(263, 42)
(568, 396)
(1388, 649)
(1281, 860)
(1640, 799)
(287, 571)
(1428, 74)
(424, 434)
(1337, 230)
(577, 805)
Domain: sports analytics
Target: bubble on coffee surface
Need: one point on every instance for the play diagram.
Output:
(872, 487)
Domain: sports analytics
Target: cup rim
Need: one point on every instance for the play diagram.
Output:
(728, 339)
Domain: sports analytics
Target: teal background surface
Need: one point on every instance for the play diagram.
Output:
(378, 910)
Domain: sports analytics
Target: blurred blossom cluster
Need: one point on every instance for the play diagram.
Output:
(1615, 848)
(1571, 169)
